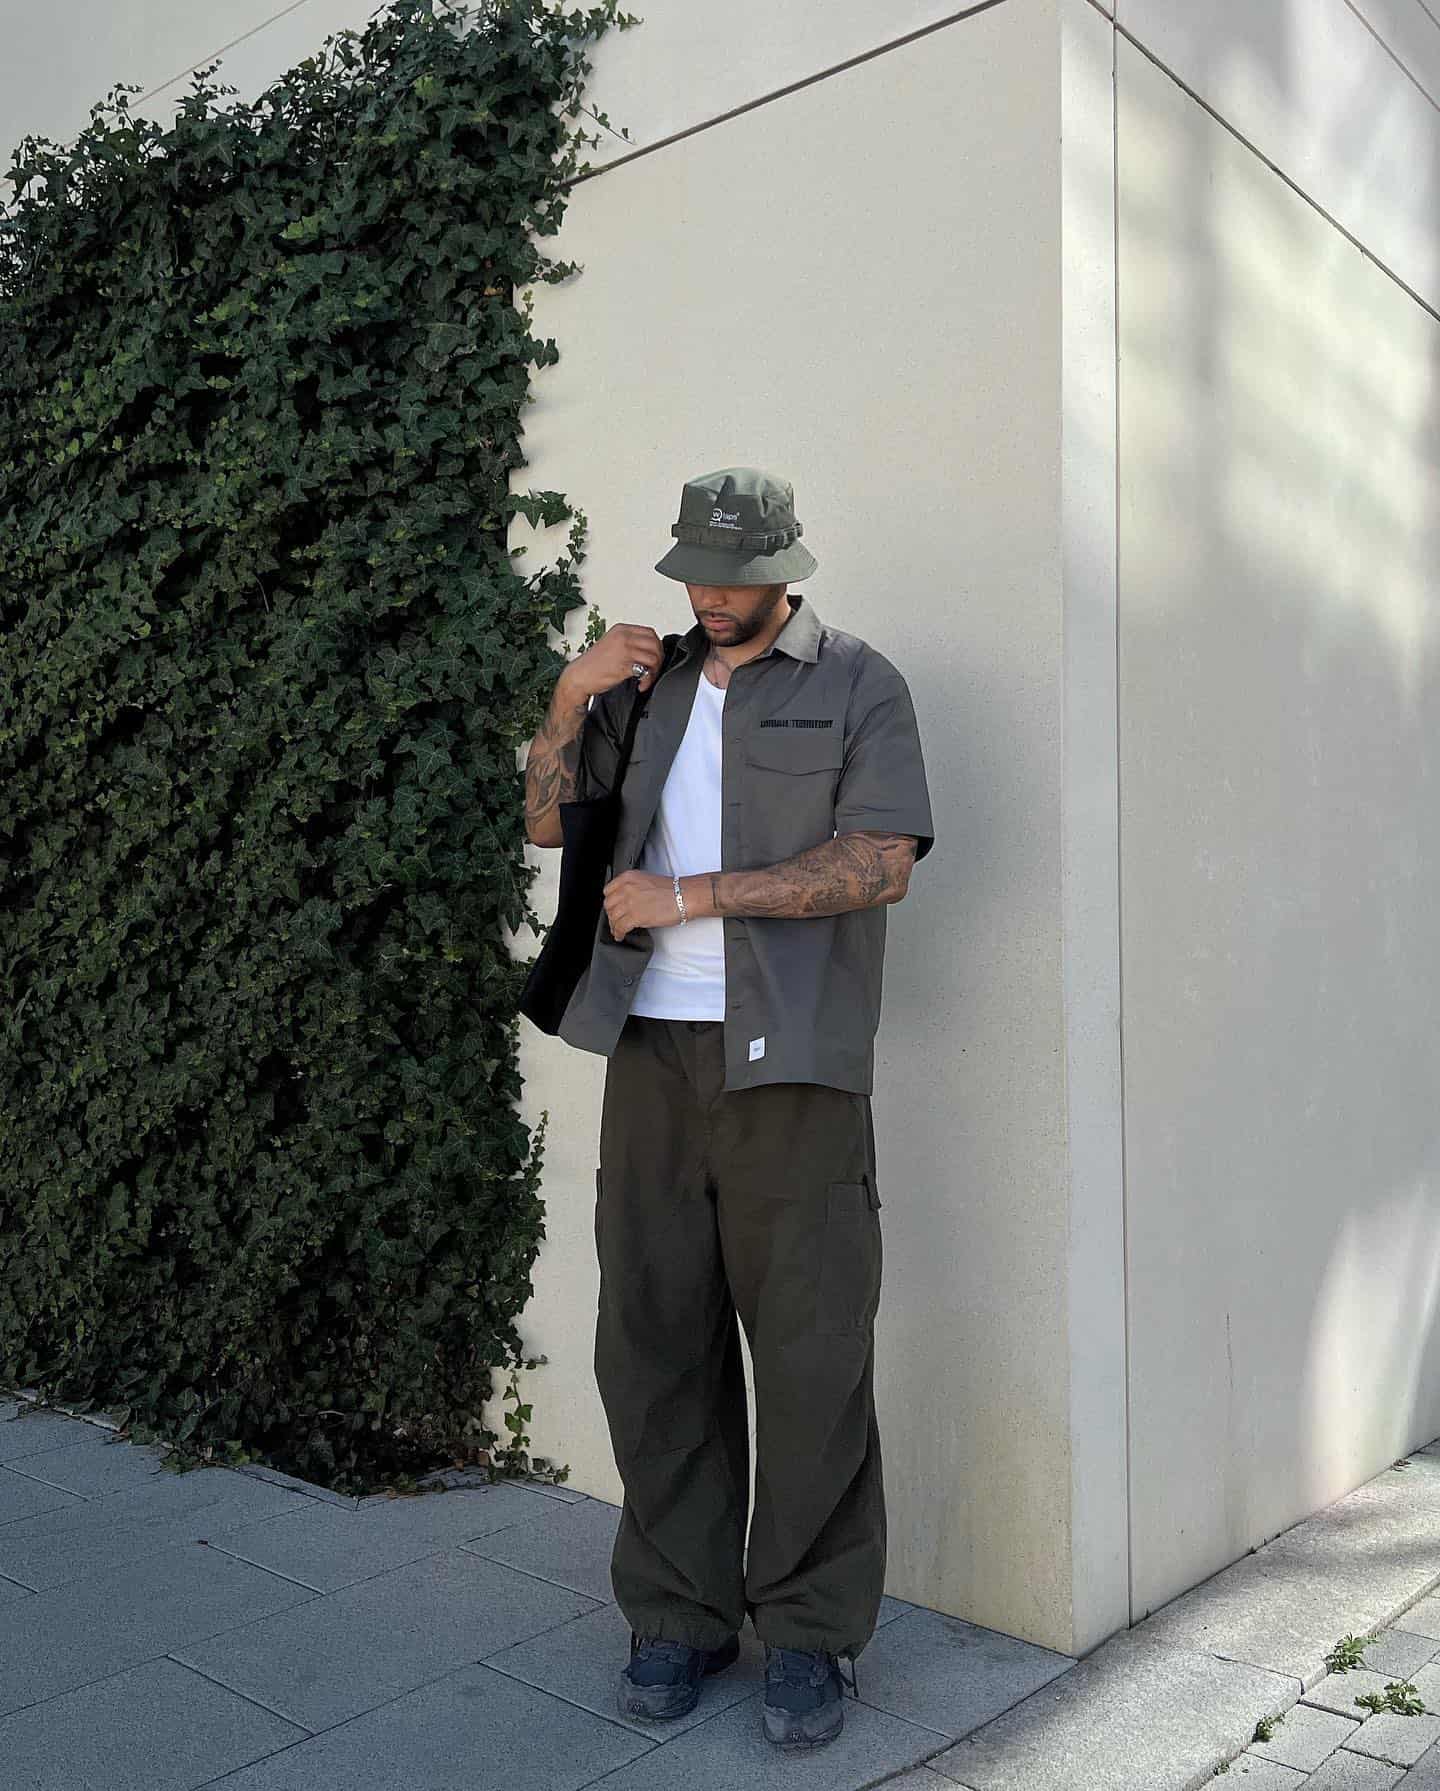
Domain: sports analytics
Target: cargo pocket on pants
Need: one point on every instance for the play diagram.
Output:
(848, 1290)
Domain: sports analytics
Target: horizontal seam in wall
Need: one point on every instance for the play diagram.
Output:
(1394, 54)
(1260, 156)
(765, 99)
(218, 55)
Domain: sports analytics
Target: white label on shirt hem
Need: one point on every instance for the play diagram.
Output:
(757, 1048)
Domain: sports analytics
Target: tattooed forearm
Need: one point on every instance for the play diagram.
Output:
(853, 870)
(553, 764)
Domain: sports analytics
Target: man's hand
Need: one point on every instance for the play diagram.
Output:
(641, 899)
(610, 660)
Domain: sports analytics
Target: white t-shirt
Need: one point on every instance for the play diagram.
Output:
(685, 976)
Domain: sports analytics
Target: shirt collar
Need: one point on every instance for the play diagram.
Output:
(800, 636)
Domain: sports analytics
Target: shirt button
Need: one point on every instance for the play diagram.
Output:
(628, 981)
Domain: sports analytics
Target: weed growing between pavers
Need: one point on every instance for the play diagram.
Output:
(1399, 1696)
(1347, 1653)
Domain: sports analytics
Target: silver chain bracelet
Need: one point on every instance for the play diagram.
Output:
(680, 903)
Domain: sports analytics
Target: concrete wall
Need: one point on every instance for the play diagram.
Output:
(1132, 310)
(60, 59)
(890, 342)
(1279, 602)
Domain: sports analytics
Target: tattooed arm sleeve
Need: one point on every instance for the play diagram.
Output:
(853, 870)
(573, 756)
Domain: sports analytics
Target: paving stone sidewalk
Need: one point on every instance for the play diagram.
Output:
(237, 1628)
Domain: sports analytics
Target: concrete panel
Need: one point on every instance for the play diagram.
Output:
(61, 59)
(1344, 99)
(1280, 707)
(1090, 922)
(1410, 31)
(689, 65)
(684, 67)
(893, 348)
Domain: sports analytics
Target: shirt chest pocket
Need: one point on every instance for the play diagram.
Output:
(789, 797)
(796, 752)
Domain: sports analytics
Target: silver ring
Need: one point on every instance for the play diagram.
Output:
(638, 669)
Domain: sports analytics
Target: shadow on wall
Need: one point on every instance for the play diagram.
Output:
(1280, 835)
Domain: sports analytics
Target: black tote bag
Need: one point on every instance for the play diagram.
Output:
(588, 829)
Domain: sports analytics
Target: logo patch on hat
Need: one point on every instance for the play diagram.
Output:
(724, 519)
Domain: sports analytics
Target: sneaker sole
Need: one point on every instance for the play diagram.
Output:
(795, 1741)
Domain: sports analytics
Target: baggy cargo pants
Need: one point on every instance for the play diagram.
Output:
(756, 1206)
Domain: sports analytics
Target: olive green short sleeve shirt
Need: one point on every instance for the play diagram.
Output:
(819, 737)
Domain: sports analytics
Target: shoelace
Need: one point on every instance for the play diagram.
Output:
(814, 1659)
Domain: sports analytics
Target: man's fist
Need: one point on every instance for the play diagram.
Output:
(640, 899)
(613, 658)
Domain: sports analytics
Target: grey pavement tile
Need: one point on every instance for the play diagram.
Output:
(1256, 1773)
(338, 1655)
(55, 1641)
(581, 1662)
(154, 1727)
(472, 1730)
(91, 1468)
(1131, 1713)
(327, 1547)
(1265, 1611)
(1342, 1571)
(1306, 1737)
(1345, 1771)
(1426, 1681)
(1400, 1739)
(24, 1430)
(1424, 1775)
(1394, 1507)
(1346, 1568)
(1338, 1691)
(566, 1494)
(85, 1537)
(891, 1608)
(730, 1753)
(104, 1420)
(919, 1778)
(9, 1592)
(569, 1544)
(258, 1470)
(1421, 1618)
(21, 1496)
(1398, 1653)
(950, 1675)
(478, 1477)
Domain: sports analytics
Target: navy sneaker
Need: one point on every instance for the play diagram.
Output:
(803, 1692)
(663, 1678)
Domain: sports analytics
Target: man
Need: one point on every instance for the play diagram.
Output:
(774, 803)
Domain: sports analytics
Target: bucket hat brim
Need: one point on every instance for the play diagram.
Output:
(694, 565)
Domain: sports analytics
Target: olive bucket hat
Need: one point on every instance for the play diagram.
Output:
(737, 527)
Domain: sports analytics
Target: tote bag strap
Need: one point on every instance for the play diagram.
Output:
(628, 741)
